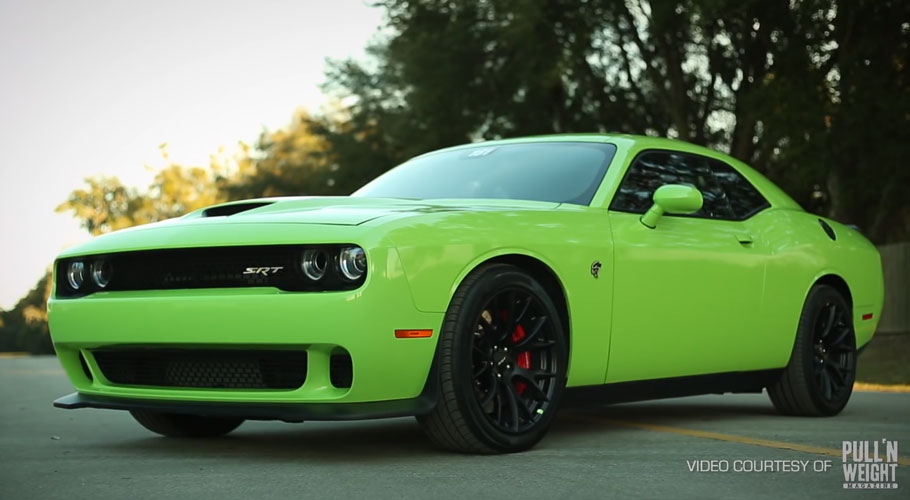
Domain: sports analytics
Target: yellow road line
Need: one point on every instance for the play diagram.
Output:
(866, 387)
(730, 438)
(8, 355)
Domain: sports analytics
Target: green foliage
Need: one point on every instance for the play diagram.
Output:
(24, 327)
(811, 92)
(106, 205)
(287, 162)
(868, 136)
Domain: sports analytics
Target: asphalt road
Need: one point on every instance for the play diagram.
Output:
(627, 451)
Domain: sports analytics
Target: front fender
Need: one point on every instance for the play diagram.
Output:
(441, 250)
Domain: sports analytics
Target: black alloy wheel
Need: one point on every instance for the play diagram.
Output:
(818, 380)
(514, 360)
(833, 349)
(501, 363)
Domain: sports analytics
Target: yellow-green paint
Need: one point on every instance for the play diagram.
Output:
(690, 296)
(672, 199)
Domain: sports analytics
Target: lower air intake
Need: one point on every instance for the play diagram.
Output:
(341, 370)
(204, 368)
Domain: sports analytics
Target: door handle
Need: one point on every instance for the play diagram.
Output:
(744, 239)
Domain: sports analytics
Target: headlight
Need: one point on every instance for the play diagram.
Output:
(353, 263)
(75, 274)
(314, 263)
(101, 273)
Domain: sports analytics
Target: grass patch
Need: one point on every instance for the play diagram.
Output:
(886, 360)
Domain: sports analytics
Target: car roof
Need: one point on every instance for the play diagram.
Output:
(624, 140)
(638, 143)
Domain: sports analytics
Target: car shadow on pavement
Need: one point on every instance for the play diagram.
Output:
(674, 412)
(362, 442)
(401, 439)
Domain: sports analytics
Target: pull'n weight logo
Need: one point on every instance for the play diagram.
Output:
(866, 468)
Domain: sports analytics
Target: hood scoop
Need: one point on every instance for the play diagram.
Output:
(236, 208)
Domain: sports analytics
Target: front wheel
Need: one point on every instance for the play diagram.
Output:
(185, 426)
(818, 381)
(501, 363)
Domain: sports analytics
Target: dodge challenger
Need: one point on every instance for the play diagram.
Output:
(479, 288)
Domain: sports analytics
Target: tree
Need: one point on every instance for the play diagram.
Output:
(106, 205)
(809, 92)
(24, 327)
(290, 161)
(286, 162)
(868, 133)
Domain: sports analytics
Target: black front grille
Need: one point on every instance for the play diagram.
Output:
(209, 267)
(204, 368)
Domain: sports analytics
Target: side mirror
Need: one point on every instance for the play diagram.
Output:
(672, 199)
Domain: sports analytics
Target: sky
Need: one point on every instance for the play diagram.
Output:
(93, 87)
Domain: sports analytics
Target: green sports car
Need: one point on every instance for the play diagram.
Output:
(479, 288)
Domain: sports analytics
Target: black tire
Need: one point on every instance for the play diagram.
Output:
(818, 380)
(492, 400)
(185, 426)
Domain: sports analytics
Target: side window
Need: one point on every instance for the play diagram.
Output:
(745, 200)
(654, 169)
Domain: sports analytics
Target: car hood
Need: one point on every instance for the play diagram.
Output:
(284, 221)
(342, 210)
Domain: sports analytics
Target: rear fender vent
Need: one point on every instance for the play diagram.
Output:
(236, 208)
(828, 229)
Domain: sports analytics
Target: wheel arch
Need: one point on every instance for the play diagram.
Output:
(837, 282)
(828, 277)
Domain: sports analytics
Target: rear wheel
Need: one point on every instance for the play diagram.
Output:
(502, 364)
(818, 380)
(185, 426)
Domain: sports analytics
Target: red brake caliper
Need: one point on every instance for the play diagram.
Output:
(524, 358)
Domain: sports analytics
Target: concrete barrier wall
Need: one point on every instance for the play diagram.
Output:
(896, 266)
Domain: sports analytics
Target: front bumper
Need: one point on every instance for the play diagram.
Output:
(289, 412)
(389, 374)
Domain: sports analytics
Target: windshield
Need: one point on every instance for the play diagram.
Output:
(563, 172)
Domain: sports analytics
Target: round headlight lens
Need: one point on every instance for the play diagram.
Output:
(314, 264)
(352, 262)
(101, 273)
(75, 274)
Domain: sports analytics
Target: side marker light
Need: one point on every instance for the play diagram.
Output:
(413, 334)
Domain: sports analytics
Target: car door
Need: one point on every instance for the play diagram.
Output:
(687, 293)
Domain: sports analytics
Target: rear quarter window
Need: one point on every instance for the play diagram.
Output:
(744, 198)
